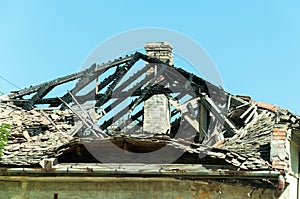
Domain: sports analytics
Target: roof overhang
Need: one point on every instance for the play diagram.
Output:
(141, 170)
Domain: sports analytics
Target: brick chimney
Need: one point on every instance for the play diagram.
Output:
(160, 50)
(157, 108)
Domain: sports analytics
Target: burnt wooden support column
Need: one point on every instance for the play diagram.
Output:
(203, 121)
(157, 108)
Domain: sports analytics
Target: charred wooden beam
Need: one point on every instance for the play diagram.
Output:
(136, 102)
(204, 120)
(213, 108)
(132, 118)
(40, 94)
(52, 83)
(131, 79)
(124, 111)
(151, 59)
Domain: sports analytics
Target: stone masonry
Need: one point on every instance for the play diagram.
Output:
(160, 50)
(157, 114)
(157, 108)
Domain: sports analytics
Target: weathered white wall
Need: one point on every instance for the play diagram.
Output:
(292, 190)
(125, 187)
(157, 114)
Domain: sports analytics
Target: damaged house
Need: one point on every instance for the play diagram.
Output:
(155, 131)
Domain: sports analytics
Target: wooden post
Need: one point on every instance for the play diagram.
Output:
(203, 127)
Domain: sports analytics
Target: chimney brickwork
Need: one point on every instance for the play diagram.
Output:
(157, 108)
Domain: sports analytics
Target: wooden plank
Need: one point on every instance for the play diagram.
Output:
(229, 102)
(247, 111)
(251, 115)
(203, 122)
(213, 108)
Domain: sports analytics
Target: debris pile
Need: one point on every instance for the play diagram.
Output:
(234, 130)
(36, 134)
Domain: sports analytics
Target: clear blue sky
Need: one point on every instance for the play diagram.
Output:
(255, 44)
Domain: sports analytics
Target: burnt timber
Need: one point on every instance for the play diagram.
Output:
(211, 128)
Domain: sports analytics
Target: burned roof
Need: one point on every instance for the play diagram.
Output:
(239, 131)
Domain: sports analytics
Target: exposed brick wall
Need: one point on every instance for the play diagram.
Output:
(280, 147)
(160, 50)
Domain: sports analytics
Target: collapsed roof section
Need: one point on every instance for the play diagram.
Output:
(203, 122)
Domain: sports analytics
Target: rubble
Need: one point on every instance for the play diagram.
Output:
(35, 134)
(218, 127)
(39, 134)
